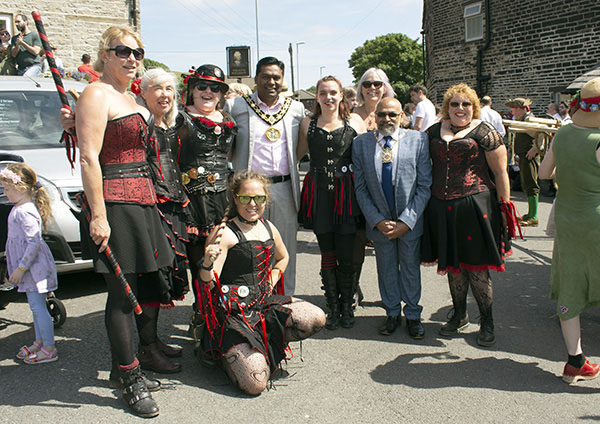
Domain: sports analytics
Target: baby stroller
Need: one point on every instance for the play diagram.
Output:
(55, 306)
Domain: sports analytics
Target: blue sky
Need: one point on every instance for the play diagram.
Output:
(182, 33)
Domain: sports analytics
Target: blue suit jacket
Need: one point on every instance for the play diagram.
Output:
(412, 185)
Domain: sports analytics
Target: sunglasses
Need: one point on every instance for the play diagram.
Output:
(214, 87)
(376, 84)
(390, 114)
(464, 104)
(124, 52)
(244, 199)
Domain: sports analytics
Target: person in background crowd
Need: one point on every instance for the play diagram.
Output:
(490, 115)
(87, 68)
(393, 178)
(575, 153)
(57, 60)
(425, 113)
(529, 160)
(266, 142)
(26, 47)
(553, 111)
(7, 62)
(466, 229)
(350, 97)
(563, 111)
(237, 89)
(329, 205)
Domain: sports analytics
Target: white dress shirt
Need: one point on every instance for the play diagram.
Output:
(490, 115)
(270, 158)
(379, 150)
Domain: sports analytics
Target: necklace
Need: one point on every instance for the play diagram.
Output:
(245, 221)
(456, 129)
(387, 153)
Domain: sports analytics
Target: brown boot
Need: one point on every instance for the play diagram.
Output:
(168, 350)
(152, 358)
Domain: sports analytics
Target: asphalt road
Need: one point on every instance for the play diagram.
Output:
(349, 375)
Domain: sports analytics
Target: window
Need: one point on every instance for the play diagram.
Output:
(473, 22)
(6, 22)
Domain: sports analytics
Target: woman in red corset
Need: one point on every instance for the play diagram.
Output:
(112, 135)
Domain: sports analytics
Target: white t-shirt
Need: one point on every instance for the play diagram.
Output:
(490, 115)
(426, 110)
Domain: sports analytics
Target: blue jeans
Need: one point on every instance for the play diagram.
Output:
(31, 71)
(42, 321)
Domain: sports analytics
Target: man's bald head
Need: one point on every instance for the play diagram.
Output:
(388, 115)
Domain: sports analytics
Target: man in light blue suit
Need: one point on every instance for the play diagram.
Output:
(392, 176)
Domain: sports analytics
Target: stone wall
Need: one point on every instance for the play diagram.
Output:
(75, 26)
(536, 48)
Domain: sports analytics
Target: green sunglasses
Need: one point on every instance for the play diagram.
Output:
(259, 199)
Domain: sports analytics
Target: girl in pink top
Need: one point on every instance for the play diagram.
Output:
(29, 261)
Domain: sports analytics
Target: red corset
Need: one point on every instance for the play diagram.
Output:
(125, 141)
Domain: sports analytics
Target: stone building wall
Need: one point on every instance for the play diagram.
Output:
(75, 26)
(536, 48)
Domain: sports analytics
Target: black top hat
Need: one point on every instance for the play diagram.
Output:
(210, 73)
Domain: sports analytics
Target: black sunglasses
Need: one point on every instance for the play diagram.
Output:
(464, 104)
(376, 84)
(124, 52)
(259, 199)
(390, 114)
(214, 87)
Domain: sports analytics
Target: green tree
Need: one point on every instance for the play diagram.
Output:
(149, 64)
(400, 57)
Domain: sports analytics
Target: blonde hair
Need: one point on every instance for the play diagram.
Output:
(29, 182)
(466, 91)
(153, 77)
(240, 88)
(236, 183)
(111, 34)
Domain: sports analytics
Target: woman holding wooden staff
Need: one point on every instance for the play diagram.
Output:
(112, 135)
(465, 228)
(247, 327)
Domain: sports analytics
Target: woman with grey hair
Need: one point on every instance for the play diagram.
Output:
(373, 86)
(156, 90)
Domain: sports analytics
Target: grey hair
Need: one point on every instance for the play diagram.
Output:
(389, 91)
(153, 77)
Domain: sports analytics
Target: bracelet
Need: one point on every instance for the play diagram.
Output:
(206, 268)
(22, 269)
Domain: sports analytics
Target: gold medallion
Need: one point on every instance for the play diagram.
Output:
(211, 178)
(273, 134)
(386, 155)
(185, 178)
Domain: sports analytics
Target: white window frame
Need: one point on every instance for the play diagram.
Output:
(6, 21)
(473, 14)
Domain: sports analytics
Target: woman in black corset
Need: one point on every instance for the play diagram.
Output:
(328, 204)
(247, 327)
(205, 135)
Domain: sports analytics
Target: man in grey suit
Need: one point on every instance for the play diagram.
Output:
(392, 177)
(266, 142)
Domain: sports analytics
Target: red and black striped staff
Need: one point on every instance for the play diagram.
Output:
(37, 17)
(50, 58)
(219, 233)
(113, 263)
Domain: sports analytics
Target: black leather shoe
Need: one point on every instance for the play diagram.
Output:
(390, 325)
(415, 329)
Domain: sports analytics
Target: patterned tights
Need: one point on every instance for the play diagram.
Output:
(481, 287)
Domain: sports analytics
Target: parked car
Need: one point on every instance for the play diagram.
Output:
(30, 131)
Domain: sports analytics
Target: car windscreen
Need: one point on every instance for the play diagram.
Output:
(29, 120)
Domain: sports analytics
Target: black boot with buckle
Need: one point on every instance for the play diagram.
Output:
(136, 394)
(346, 286)
(458, 321)
(115, 382)
(333, 298)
